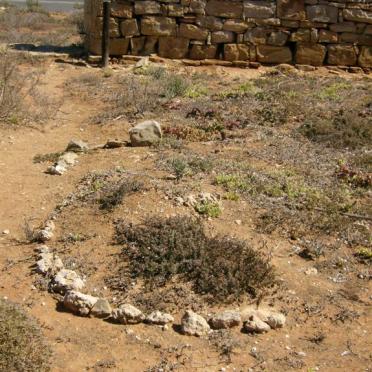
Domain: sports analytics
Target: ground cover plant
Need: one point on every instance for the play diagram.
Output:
(223, 269)
(22, 346)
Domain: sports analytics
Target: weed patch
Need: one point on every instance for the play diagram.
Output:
(22, 347)
(222, 268)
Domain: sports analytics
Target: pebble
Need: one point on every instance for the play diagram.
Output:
(311, 271)
(6, 232)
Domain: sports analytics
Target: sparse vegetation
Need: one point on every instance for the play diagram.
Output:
(222, 268)
(22, 346)
(113, 194)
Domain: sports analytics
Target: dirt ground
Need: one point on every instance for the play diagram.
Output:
(328, 313)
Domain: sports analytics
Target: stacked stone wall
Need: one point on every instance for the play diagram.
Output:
(311, 32)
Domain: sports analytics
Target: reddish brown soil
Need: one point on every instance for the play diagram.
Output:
(311, 302)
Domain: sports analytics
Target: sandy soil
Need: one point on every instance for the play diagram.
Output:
(27, 193)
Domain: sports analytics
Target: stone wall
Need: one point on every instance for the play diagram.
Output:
(311, 32)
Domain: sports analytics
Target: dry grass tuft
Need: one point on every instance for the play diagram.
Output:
(22, 347)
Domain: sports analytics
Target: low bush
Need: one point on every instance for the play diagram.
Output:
(222, 268)
(113, 194)
(22, 347)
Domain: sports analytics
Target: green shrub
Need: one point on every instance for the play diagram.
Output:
(223, 268)
(209, 209)
(22, 347)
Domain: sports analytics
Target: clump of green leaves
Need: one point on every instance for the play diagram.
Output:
(222, 268)
(22, 347)
(208, 209)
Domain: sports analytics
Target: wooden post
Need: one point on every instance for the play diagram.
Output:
(106, 33)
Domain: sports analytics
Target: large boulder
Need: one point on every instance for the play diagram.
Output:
(128, 314)
(146, 133)
(193, 324)
(79, 303)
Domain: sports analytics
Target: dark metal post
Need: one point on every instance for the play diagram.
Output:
(106, 33)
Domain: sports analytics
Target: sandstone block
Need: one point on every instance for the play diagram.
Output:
(322, 13)
(301, 35)
(113, 27)
(199, 52)
(273, 54)
(129, 27)
(175, 10)
(342, 55)
(259, 9)
(147, 7)
(291, 9)
(236, 52)
(236, 25)
(158, 26)
(357, 15)
(197, 6)
(256, 36)
(222, 37)
(117, 46)
(326, 36)
(310, 54)
(193, 32)
(137, 45)
(278, 38)
(343, 27)
(172, 47)
(210, 22)
(365, 57)
(224, 9)
(121, 9)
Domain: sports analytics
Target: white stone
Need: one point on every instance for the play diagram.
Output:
(273, 318)
(193, 324)
(67, 280)
(48, 263)
(311, 271)
(56, 170)
(146, 133)
(78, 302)
(157, 317)
(128, 314)
(68, 158)
(227, 319)
(255, 325)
